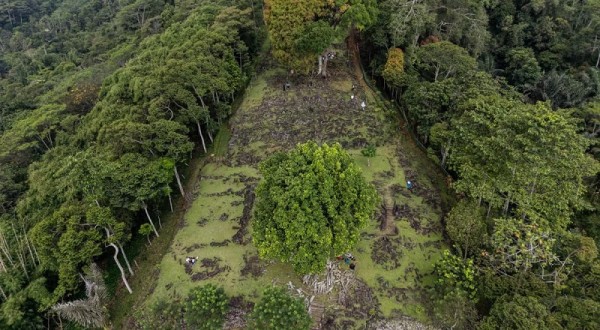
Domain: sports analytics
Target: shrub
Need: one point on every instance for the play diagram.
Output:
(206, 308)
(278, 310)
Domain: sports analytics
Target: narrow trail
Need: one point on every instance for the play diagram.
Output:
(356, 66)
(316, 312)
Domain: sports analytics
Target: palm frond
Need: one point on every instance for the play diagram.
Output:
(86, 312)
(89, 312)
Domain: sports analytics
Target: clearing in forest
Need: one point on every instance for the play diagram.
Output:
(396, 254)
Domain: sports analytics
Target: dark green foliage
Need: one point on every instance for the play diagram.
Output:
(519, 313)
(455, 309)
(312, 204)
(429, 103)
(315, 38)
(509, 153)
(146, 230)
(369, 151)
(466, 227)
(278, 310)
(573, 313)
(75, 155)
(490, 286)
(442, 60)
(206, 308)
(522, 68)
(169, 71)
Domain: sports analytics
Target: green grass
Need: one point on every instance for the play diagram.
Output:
(174, 281)
(213, 216)
(221, 141)
(423, 258)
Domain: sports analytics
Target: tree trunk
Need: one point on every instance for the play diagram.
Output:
(20, 254)
(2, 264)
(210, 137)
(150, 220)
(171, 202)
(320, 64)
(445, 152)
(29, 247)
(148, 238)
(5, 249)
(3, 294)
(179, 181)
(201, 137)
(506, 204)
(202, 102)
(120, 267)
(324, 72)
(126, 259)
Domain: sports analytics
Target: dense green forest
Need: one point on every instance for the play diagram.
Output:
(103, 103)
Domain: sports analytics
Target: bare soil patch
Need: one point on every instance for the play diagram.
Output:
(253, 266)
(240, 236)
(212, 267)
(385, 252)
(236, 316)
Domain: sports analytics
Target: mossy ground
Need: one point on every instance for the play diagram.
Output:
(396, 266)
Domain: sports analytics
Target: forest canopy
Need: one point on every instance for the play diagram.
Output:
(98, 116)
(104, 103)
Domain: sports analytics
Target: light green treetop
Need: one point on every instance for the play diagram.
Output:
(312, 204)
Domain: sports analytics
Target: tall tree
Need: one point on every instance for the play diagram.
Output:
(520, 158)
(301, 32)
(66, 241)
(312, 204)
(466, 227)
(442, 60)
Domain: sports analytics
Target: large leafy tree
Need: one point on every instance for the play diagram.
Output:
(466, 227)
(442, 60)
(520, 247)
(312, 203)
(300, 31)
(66, 240)
(520, 158)
(518, 312)
(522, 68)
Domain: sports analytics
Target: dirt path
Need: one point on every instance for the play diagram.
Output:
(355, 54)
(316, 313)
